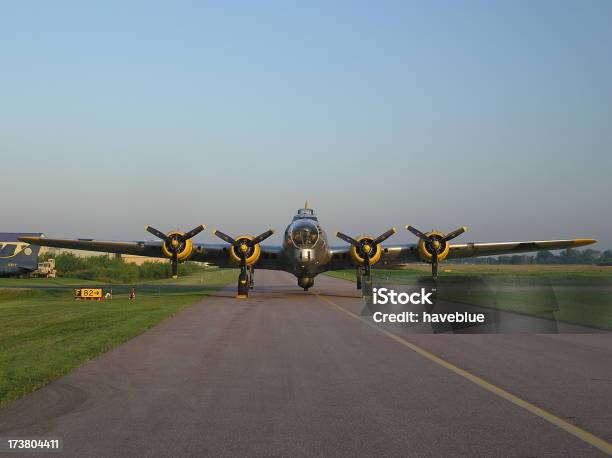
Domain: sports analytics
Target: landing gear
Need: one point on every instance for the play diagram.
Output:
(366, 279)
(366, 287)
(243, 283)
(246, 280)
(358, 275)
(251, 281)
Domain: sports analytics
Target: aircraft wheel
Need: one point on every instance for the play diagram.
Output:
(243, 286)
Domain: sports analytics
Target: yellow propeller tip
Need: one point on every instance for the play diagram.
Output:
(174, 276)
(394, 230)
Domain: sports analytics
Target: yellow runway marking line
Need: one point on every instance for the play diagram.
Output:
(580, 433)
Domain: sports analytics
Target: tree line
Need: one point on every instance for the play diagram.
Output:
(567, 256)
(113, 269)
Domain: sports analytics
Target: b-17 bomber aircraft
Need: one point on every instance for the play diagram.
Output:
(305, 251)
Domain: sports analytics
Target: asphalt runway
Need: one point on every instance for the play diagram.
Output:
(290, 373)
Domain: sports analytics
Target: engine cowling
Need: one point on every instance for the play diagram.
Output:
(176, 246)
(366, 242)
(434, 246)
(436, 242)
(174, 241)
(252, 252)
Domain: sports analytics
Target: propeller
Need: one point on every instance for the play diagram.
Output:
(436, 243)
(242, 244)
(244, 248)
(366, 247)
(175, 243)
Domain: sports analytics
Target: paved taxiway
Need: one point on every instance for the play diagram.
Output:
(288, 373)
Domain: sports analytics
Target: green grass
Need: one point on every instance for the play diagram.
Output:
(45, 282)
(44, 333)
(574, 306)
(595, 274)
(203, 277)
(575, 294)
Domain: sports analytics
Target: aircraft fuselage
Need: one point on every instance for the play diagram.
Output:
(17, 258)
(305, 247)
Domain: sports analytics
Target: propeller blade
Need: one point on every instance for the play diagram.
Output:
(418, 233)
(193, 232)
(382, 237)
(157, 233)
(348, 239)
(261, 237)
(455, 233)
(175, 264)
(225, 237)
(434, 264)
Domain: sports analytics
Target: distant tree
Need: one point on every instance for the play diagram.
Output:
(112, 269)
(606, 257)
(589, 256)
(569, 256)
(546, 257)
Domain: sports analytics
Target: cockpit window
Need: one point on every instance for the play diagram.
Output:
(7, 250)
(304, 234)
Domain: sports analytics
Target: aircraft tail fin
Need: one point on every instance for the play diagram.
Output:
(13, 251)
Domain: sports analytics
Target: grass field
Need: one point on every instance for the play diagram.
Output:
(44, 332)
(206, 276)
(575, 294)
(598, 274)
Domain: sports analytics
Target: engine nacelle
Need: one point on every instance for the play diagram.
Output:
(184, 248)
(374, 255)
(425, 247)
(252, 253)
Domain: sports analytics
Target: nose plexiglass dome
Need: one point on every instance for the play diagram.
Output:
(304, 234)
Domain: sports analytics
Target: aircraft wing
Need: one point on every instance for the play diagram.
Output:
(152, 249)
(470, 250)
(214, 254)
(393, 256)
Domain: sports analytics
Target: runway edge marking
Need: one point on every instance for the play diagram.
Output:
(580, 433)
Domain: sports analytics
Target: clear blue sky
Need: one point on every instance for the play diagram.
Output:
(496, 115)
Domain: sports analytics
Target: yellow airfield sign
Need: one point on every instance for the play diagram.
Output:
(88, 293)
